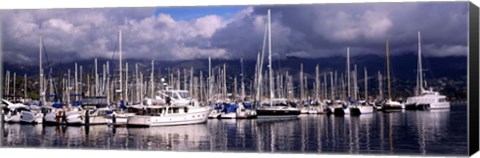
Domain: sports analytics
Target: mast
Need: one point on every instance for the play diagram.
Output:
(42, 98)
(388, 72)
(152, 85)
(331, 85)
(317, 83)
(243, 81)
(126, 82)
(120, 62)
(302, 95)
(210, 79)
(260, 69)
(348, 72)
(14, 86)
(355, 84)
(270, 57)
(76, 82)
(108, 81)
(81, 80)
(25, 86)
(419, 67)
(366, 82)
(96, 78)
(137, 84)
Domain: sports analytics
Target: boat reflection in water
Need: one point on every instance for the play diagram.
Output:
(408, 132)
(177, 138)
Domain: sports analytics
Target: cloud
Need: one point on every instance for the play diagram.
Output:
(299, 30)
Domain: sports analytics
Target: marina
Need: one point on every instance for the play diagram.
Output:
(273, 101)
(408, 132)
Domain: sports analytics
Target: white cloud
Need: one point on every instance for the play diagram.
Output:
(320, 30)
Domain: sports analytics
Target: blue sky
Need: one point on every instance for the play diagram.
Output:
(189, 13)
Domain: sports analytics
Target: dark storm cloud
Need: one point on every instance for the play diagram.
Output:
(301, 30)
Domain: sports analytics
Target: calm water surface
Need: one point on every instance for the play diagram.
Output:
(409, 132)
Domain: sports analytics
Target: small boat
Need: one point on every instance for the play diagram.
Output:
(31, 116)
(390, 106)
(245, 110)
(53, 114)
(361, 107)
(118, 119)
(229, 111)
(13, 111)
(216, 112)
(341, 108)
(95, 116)
(278, 109)
(73, 117)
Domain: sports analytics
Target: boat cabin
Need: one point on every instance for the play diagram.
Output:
(157, 110)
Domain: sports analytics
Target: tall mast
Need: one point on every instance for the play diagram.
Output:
(96, 78)
(120, 62)
(76, 82)
(14, 86)
(137, 84)
(331, 85)
(419, 67)
(42, 98)
(243, 81)
(348, 72)
(126, 82)
(210, 79)
(355, 86)
(260, 69)
(388, 72)
(317, 83)
(270, 57)
(152, 85)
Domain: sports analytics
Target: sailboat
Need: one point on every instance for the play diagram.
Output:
(274, 107)
(342, 107)
(362, 107)
(389, 104)
(425, 99)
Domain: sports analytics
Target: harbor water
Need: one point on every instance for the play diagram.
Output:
(436, 132)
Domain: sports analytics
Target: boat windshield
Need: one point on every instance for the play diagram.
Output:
(184, 95)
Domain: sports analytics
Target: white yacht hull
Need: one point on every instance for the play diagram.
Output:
(51, 118)
(74, 119)
(277, 112)
(120, 119)
(244, 114)
(231, 115)
(357, 110)
(192, 117)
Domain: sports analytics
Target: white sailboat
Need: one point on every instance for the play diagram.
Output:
(425, 99)
(362, 107)
(389, 104)
(12, 112)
